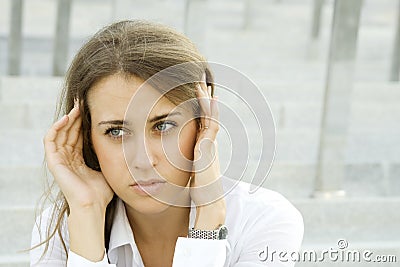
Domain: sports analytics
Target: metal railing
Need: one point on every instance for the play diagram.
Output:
(395, 67)
(15, 38)
(337, 98)
(61, 39)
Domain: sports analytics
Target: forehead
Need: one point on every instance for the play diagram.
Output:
(110, 97)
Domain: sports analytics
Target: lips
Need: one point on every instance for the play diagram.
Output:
(149, 187)
(148, 182)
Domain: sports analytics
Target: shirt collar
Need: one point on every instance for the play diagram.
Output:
(121, 232)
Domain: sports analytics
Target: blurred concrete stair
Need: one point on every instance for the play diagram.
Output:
(364, 225)
(15, 234)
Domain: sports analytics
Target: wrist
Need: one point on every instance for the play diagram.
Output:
(87, 205)
(86, 233)
(210, 217)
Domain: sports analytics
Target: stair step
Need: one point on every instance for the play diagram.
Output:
(20, 147)
(354, 219)
(29, 89)
(14, 260)
(16, 228)
(295, 180)
(27, 115)
(22, 185)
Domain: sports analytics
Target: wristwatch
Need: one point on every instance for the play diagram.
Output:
(218, 234)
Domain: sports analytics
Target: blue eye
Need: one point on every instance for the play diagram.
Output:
(165, 126)
(115, 132)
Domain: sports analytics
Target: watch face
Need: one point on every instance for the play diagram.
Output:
(223, 232)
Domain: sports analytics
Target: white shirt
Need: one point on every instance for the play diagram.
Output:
(257, 221)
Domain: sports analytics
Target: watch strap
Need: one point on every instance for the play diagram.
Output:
(220, 233)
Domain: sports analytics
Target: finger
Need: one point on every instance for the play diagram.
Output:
(207, 144)
(201, 103)
(76, 125)
(62, 136)
(204, 86)
(215, 109)
(74, 132)
(213, 126)
(204, 102)
(51, 135)
(79, 142)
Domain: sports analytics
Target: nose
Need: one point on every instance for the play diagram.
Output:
(141, 156)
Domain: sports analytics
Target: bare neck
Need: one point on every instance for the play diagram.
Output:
(164, 227)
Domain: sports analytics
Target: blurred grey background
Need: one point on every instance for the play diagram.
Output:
(329, 70)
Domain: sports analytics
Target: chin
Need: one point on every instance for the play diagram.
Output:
(146, 205)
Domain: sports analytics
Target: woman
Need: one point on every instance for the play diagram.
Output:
(139, 181)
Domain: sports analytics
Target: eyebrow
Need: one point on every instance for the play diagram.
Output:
(154, 119)
(160, 117)
(114, 122)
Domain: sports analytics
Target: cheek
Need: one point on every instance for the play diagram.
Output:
(110, 157)
(178, 149)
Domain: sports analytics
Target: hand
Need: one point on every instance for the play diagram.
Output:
(206, 189)
(81, 186)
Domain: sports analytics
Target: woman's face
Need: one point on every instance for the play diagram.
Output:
(158, 149)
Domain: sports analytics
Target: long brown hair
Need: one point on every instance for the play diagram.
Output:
(139, 48)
